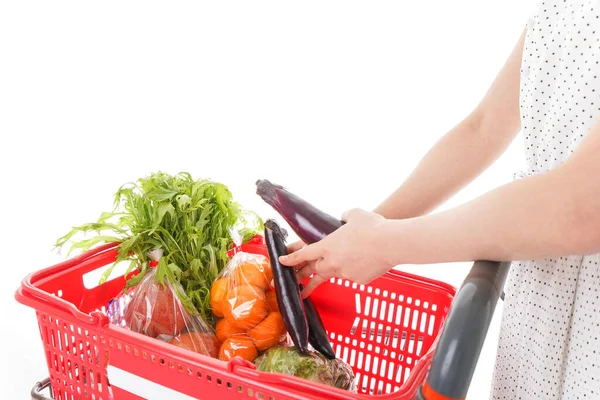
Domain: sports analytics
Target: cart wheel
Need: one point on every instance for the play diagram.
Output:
(36, 392)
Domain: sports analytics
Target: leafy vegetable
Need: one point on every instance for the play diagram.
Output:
(190, 220)
(313, 366)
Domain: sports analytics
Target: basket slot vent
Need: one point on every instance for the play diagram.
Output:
(345, 354)
(382, 368)
(415, 320)
(406, 317)
(419, 346)
(398, 319)
(352, 357)
(380, 335)
(386, 336)
(372, 331)
(390, 373)
(375, 307)
(382, 310)
(395, 338)
(375, 365)
(423, 322)
(399, 374)
(372, 386)
(431, 325)
(403, 342)
(354, 325)
(365, 383)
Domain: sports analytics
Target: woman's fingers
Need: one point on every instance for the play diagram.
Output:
(308, 253)
(294, 247)
(312, 284)
(350, 213)
(305, 272)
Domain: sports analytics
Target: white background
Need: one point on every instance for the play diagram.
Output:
(336, 100)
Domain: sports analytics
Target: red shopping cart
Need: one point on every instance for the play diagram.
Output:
(397, 333)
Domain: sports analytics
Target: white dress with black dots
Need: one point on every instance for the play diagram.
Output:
(550, 336)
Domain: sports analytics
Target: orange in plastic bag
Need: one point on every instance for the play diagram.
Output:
(271, 298)
(218, 292)
(247, 305)
(238, 346)
(269, 332)
(253, 273)
(226, 328)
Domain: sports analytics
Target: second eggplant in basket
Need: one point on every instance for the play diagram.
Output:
(317, 336)
(286, 287)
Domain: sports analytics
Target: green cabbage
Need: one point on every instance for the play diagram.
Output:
(314, 366)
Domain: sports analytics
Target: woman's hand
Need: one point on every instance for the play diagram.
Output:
(351, 252)
(294, 247)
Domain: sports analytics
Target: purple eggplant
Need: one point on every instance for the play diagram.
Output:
(317, 336)
(309, 223)
(287, 290)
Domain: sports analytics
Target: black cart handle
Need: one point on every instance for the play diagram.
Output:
(464, 332)
(36, 391)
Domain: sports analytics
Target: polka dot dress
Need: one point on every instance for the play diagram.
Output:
(549, 342)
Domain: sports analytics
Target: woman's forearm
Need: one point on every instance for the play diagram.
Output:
(464, 152)
(454, 161)
(550, 215)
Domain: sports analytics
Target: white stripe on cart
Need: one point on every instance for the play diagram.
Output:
(142, 387)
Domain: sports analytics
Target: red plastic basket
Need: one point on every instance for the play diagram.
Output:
(386, 331)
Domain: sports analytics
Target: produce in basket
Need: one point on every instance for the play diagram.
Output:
(309, 223)
(317, 335)
(154, 309)
(286, 287)
(238, 346)
(190, 220)
(249, 323)
(312, 366)
(203, 343)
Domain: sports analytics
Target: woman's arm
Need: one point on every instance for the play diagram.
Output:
(549, 215)
(465, 151)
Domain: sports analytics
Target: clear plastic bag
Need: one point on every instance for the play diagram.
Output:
(244, 300)
(314, 367)
(155, 309)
